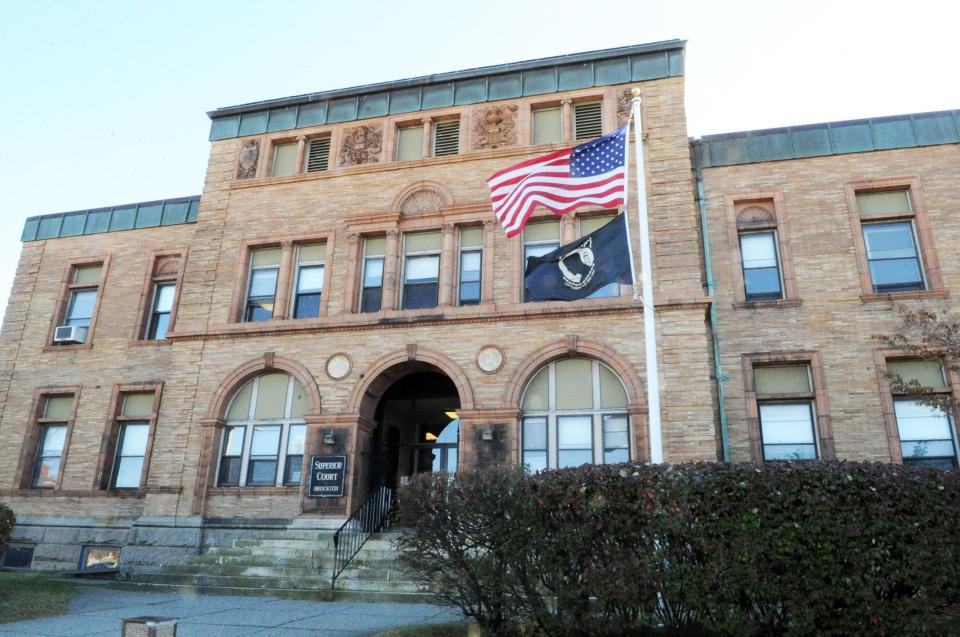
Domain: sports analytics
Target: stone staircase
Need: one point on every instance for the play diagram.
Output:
(297, 565)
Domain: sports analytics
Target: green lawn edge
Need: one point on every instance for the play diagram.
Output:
(32, 595)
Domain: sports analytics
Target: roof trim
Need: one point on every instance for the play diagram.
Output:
(132, 216)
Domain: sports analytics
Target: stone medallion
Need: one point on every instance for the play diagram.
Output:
(490, 359)
(338, 366)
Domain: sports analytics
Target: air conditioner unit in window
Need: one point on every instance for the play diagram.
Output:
(65, 334)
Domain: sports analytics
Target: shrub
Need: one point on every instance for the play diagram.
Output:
(779, 549)
(7, 521)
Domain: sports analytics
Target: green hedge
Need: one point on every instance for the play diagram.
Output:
(709, 549)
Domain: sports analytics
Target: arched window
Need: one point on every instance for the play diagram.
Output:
(574, 413)
(263, 441)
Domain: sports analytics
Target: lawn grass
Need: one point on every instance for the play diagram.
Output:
(30, 595)
(429, 630)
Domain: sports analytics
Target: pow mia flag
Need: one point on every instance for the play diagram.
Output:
(578, 269)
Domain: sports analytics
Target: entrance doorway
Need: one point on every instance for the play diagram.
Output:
(417, 430)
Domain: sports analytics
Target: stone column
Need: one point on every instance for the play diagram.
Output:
(448, 266)
(284, 281)
(487, 259)
(391, 264)
(568, 229)
(427, 137)
(353, 272)
(301, 148)
(566, 116)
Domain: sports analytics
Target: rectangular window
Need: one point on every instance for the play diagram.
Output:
(926, 432)
(284, 159)
(761, 269)
(80, 308)
(587, 120)
(446, 137)
(264, 450)
(785, 405)
(471, 262)
(232, 456)
(421, 270)
(592, 224)
(53, 421)
(81, 301)
(262, 285)
(371, 289)
(892, 257)
(539, 239)
(99, 558)
(547, 127)
(535, 444)
(132, 434)
(308, 283)
(163, 294)
(18, 556)
(409, 143)
(574, 441)
(318, 154)
(293, 468)
(616, 438)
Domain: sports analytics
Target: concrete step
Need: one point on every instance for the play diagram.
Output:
(248, 571)
(286, 543)
(266, 552)
(253, 560)
(234, 581)
(382, 586)
(284, 593)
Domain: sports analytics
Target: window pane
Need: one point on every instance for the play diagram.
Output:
(422, 269)
(592, 224)
(375, 247)
(409, 143)
(240, 407)
(889, 240)
(307, 306)
(471, 237)
(542, 231)
(284, 160)
(301, 401)
(927, 448)
(164, 298)
(534, 434)
(896, 275)
(782, 379)
(574, 432)
(137, 404)
(229, 471)
(927, 373)
(762, 283)
(87, 274)
(373, 273)
(422, 242)
(921, 422)
(312, 253)
(786, 423)
(534, 461)
(615, 433)
(134, 440)
(263, 283)
(612, 395)
(262, 311)
(234, 443)
(872, 204)
(47, 472)
(81, 306)
(98, 558)
(158, 327)
(296, 439)
(265, 257)
(271, 396)
(310, 279)
(470, 266)
(574, 384)
(57, 406)
(546, 126)
(129, 471)
(574, 457)
(470, 293)
(758, 250)
(266, 440)
(54, 437)
(789, 452)
(537, 251)
(293, 470)
(420, 296)
(262, 472)
(370, 301)
(535, 398)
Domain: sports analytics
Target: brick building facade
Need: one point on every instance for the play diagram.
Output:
(341, 284)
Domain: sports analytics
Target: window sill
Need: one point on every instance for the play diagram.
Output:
(941, 293)
(67, 348)
(237, 491)
(752, 305)
(149, 342)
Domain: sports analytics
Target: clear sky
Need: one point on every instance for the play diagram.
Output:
(104, 102)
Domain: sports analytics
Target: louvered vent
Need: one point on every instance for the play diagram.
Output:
(318, 155)
(446, 138)
(588, 120)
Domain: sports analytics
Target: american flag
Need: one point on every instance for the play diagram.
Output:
(592, 173)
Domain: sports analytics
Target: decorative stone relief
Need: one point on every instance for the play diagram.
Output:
(361, 145)
(755, 216)
(494, 127)
(167, 266)
(624, 103)
(489, 359)
(338, 366)
(249, 153)
(422, 201)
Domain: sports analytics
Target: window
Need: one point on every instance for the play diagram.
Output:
(132, 435)
(926, 432)
(421, 270)
(262, 284)
(471, 260)
(81, 300)
(587, 120)
(53, 423)
(761, 269)
(446, 137)
(99, 558)
(574, 413)
(546, 125)
(539, 239)
(592, 224)
(159, 297)
(318, 154)
(284, 159)
(409, 143)
(265, 416)
(785, 402)
(18, 556)
(371, 289)
(308, 282)
(162, 307)
(895, 251)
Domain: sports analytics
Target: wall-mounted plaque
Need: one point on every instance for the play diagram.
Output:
(326, 476)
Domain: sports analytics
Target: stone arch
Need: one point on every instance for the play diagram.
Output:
(422, 197)
(269, 362)
(570, 347)
(378, 377)
(755, 215)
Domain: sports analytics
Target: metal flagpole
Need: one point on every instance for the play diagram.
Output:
(626, 216)
(649, 321)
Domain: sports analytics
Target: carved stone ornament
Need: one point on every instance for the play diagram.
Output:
(338, 366)
(249, 153)
(489, 359)
(361, 145)
(494, 127)
(167, 266)
(755, 216)
(624, 104)
(422, 201)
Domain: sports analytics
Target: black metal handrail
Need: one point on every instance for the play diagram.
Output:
(370, 518)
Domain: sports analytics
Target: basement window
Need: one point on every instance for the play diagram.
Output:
(99, 558)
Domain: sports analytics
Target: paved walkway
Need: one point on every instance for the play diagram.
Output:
(97, 612)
